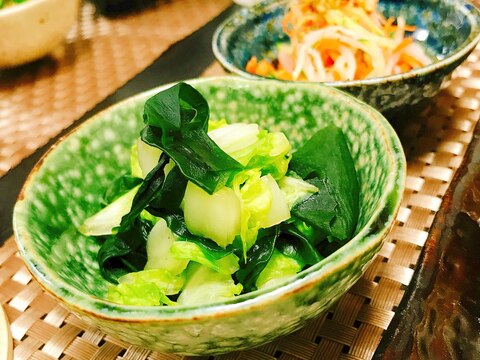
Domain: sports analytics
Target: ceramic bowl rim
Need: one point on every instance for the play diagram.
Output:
(466, 47)
(100, 308)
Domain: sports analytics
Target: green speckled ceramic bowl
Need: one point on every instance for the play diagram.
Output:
(448, 29)
(65, 187)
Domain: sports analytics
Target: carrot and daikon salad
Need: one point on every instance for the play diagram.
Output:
(341, 40)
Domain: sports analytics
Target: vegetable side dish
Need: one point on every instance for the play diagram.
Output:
(210, 210)
(341, 40)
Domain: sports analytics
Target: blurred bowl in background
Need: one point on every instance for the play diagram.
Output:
(34, 29)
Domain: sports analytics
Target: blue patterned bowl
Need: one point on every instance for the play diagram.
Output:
(448, 29)
(64, 187)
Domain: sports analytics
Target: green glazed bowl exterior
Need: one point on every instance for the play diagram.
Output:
(65, 187)
(448, 29)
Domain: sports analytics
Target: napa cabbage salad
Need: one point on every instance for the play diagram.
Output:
(211, 210)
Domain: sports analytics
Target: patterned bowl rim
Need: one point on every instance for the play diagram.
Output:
(470, 10)
(363, 242)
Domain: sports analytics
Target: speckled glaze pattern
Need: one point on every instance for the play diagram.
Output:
(448, 29)
(65, 188)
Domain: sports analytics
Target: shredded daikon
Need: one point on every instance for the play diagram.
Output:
(338, 40)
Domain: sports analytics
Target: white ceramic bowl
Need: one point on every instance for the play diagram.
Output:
(34, 29)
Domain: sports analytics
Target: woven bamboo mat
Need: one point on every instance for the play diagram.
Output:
(39, 100)
(434, 142)
(6, 344)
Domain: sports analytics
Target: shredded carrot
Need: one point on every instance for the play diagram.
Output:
(340, 40)
(336, 76)
(410, 28)
(405, 42)
(282, 74)
(404, 67)
(265, 68)
(410, 60)
(328, 44)
(251, 66)
(327, 59)
(328, 50)
(363, 67)
(388, 27)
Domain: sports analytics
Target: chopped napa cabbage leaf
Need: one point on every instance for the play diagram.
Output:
(279, 268)
(159, 244)
(256, 202)
(205, 286)
(237, 140)
(263, 153)
(148, 156)
(272, 154)
(186, 250)
(279, 210)
(254, 148)
(146, 288)
(135, 168)
(147, 294)
(168, 282)
(215, 216)
(169, 167)
(296, 189)
(104, 221)
(263, 204)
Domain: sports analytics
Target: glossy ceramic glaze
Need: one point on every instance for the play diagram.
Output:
(65, 187)
(448, 29)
